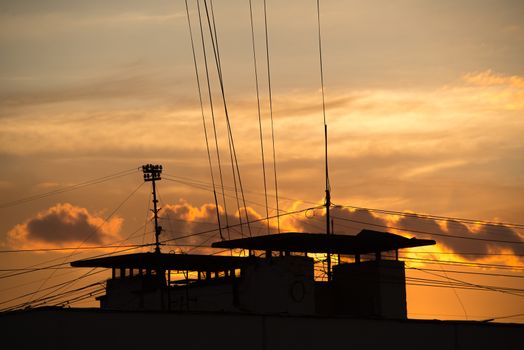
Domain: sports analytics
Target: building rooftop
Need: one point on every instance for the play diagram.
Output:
(166, 261)
(367, 241)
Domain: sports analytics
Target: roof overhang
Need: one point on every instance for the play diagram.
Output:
(182, 262)
(367, 241)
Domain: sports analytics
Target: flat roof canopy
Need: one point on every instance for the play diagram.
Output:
(367, 241)
(157, 261)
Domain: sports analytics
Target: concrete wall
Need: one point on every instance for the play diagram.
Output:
(89, 329)
(370, 288)
(278, 285)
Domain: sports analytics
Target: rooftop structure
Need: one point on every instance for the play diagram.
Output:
(266, 283)
(155, 261)
(365, 242)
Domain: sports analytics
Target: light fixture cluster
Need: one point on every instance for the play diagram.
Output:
(152, 172)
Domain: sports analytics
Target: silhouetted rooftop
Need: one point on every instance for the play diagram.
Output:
(367, 241)
(165, 261)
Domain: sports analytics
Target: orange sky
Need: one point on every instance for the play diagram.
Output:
(425, 103)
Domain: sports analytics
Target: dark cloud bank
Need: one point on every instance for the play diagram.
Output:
(481, 240)
(66, 224)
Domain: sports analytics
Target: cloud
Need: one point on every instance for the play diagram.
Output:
(345, 221)
(490, 78)
(361, 123)
(425, 149)
(481, 240)
(489, 90)
(194, 228)
(64, 225)
(484, 239)
(183, 219)
(432, 168)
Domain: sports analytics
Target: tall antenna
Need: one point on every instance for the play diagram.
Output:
(152, 174)
(328, 200)
(328, 187)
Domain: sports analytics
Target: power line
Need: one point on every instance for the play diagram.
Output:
(213, 230)
(258, 109)
(79, 247)
(223, 193)
(45, 299)
(72, 248)
(47, 288)
(429, 233)
(29, 270)
(432, 233)
(233, 153)
(492, 288)
(466, 287)
(435, 217)
(68, 271)
(60, 264)
(204, 120)
(80, 298)
(483, 318)
(214, 39)
(202, 184)
(212, 112)
(469, 253)
(502, 317)
(51, 293)
(468, 272)
(271, 114)
(68, 283)
(464, 263)
(405, 229)
(68, 188)
(71, 282)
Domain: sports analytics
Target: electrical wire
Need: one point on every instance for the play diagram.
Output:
(233, 153)
(259, 113)
(512, 291)
(44, 300)
(429, 233)
(96, 230)
(71, 248)
(68, 188)
(217, 149)
(271, 115)
(434, 217)
(465, 263)
(468, 272)
(252, 221)
(69, 283)
(47, 288)
(202, 185)
(204, 121)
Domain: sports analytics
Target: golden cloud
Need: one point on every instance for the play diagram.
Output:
(184, 219)
(64, 225)
(497, 90)
(490, 78)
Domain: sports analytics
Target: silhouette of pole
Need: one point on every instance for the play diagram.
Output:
(152, 174)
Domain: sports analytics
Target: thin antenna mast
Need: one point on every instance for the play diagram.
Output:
(152, 174)
(328, 200)
(328, 189)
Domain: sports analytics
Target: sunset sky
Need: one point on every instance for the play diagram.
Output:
(424, 105)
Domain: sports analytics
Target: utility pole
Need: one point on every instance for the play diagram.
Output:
(152, 174)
